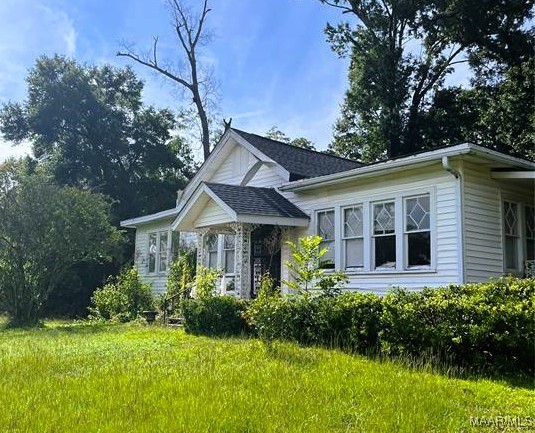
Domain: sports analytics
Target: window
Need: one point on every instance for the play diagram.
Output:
(384, 235)
(211, 250)
(229, 247)
(530, 233)
(353, 238)
(152, 251)
(510, 219)
(159, 250)
(325, 229)
(417, 231)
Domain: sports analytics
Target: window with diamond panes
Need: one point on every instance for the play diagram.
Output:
(384, 235)
(510, 220)
(152, 251)
(352, 238)
(418, 231)
(228, 253)
(211, 250)
(162, 252)
(530, 233)
(325, 229)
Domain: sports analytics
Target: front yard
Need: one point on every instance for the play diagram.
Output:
(131, 378)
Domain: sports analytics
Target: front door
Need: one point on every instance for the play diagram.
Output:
(265, 255)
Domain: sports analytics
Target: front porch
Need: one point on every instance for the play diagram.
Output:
(241, 231)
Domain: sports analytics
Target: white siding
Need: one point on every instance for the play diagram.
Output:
(267, 177)
(445, 249)
(212, 215)
(483, 198)
(141, 260)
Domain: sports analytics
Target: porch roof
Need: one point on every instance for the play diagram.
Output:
(245, 204)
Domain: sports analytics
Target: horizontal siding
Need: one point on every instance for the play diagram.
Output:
(267, 177)
(482, 225)
(446, 226)
(212, 214)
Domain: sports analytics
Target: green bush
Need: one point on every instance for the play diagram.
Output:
(122, 298)
(205, 282)
(489, 325)
(216, 316)
(179, 283)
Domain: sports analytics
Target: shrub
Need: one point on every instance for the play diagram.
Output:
(122, 298)
(216, 316)
(180, 280)
(205, 282)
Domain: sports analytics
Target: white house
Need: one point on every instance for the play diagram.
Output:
(457, 214)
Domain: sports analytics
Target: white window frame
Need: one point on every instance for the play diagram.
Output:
(213, 251)
(367, 203)
(329, 243)
(229, 272)
(517, 237)
(157, 253)
(527, 236)
(349, 238)
(407, 232)
(375, 236)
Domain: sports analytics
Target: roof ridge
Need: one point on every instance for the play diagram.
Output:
(317, 152)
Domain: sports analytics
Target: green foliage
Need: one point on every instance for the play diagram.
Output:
(276, 134)
(479, 326)
(305, 268)
(47, 231)
(391, 91)
(123, 298)
(90, 123)
(205, 282)
(216, 315)
(180, 278)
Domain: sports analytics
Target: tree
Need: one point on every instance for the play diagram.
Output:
(197, 81)
(44, 231)
(402, 51)
(89, 128)
(276, 134)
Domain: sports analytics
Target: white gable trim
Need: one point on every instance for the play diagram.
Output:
(146, 219)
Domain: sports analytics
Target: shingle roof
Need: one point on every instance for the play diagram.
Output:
(301, 163)
(255, 201)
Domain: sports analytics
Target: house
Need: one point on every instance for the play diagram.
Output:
(457, 214)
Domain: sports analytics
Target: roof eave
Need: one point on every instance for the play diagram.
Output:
(148, 219)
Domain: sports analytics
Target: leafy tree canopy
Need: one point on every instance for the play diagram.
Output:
(45, 230)
(276, 134)
(401, 53)
(89, 128)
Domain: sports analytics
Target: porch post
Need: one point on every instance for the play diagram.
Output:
(242, 273)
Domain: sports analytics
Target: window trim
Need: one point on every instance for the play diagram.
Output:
(406, 232)
(518, 237)
(168, 251)
(344, 238)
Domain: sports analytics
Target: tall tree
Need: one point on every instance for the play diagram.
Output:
(45, 230)
(189, 75)
(401, 52)
(275, 133)
(90, 129)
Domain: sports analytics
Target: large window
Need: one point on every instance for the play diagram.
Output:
(229, 247)
(417, 231)
(159, 251)
(353, 238)
(510, 220)
(530, 233)
(384, 235)
(325, 229)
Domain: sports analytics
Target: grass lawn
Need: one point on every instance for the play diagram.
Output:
(81, 378)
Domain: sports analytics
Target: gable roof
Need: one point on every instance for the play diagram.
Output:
(299, 162)
(255, 201)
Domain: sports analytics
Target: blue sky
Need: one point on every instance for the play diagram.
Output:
(270, 57)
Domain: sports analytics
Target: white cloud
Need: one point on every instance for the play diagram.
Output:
(7, 150)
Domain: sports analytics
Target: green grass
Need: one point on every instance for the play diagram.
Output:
(81, 378)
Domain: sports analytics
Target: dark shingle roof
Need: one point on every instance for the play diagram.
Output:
(301, 163)
(255, 201)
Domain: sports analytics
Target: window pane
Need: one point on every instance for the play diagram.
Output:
(511, 254)
(229, 261)
(327, 261)
(326, 225)
(417, 213)
(152, 252)
(530, 222)
(211, 250)
(211, 261)
(385, 251)
(229, 242)
(354, 253)
(530, 252)
(353, 222)
(175, 245)
(384, 218)
(419, 246)
(510, 217)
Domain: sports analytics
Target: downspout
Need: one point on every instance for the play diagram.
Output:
(460, 214)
